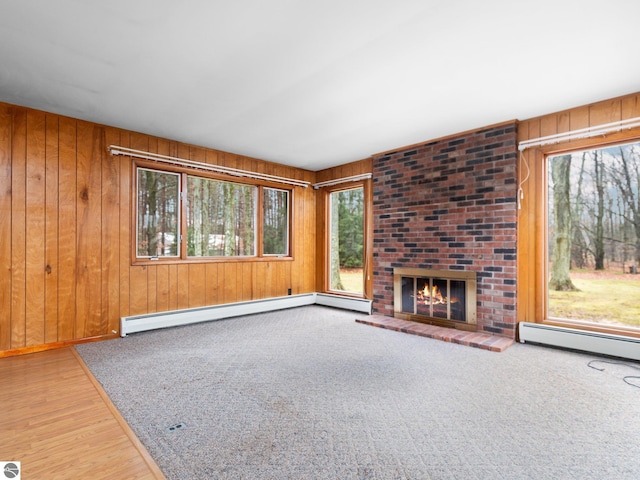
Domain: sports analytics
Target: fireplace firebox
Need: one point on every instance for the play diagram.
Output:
(439, 297)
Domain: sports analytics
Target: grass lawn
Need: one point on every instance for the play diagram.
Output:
(352, 280)
(611, 300)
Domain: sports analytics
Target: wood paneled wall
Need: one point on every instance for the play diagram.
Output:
(532, 219)
(66, 233)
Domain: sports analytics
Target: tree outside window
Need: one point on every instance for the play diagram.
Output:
(220, 218)
(594, 235)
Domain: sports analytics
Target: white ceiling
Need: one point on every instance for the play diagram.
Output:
(313, 83)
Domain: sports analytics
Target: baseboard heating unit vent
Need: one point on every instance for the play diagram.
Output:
(153, 321)
(346, 303)
(594, 342)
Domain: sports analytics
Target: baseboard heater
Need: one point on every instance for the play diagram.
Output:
(174, 318)
(575, 339)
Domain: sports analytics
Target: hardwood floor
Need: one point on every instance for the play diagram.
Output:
(56, 420)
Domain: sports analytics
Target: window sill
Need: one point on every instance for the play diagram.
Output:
(204, 260)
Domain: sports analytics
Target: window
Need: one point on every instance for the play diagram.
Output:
(275, 226)
(220, 218)
(346, 240)
(180, 216)
(593, 243)
(158, 218)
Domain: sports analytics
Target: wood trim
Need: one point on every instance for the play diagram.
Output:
(54, 345)
(368, 239)
(137, 444)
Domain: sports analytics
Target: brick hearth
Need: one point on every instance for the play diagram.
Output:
(484, 341)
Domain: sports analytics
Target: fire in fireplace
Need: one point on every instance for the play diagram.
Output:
(443, 297)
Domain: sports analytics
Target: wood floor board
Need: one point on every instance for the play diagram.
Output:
(57, 421)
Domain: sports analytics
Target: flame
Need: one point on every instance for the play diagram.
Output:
(432, 296)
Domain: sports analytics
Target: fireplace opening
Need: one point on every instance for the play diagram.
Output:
(441, 297)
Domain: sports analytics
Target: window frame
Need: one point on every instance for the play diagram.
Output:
(136, 203)
(253, 190)
(289, 222)
(541, 300)
(183, 257)
(365, 185)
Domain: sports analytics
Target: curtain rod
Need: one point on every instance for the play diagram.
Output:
(117, 150)
(581, 133)
(353, 178)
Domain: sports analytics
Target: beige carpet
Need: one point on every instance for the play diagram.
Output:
(309, 393)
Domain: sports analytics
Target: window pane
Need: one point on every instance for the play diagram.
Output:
(158, 218)
(275, 232)
(594, 236)
(220, 218)
(346, 237)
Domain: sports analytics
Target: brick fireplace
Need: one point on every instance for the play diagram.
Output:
(451, 205)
